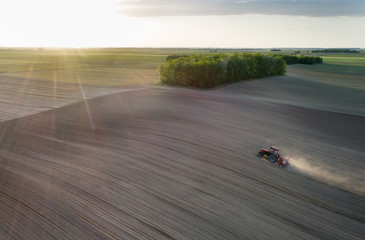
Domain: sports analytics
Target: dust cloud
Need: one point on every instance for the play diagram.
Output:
(322, 171)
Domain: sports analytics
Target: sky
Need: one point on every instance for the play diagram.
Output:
(183, 23)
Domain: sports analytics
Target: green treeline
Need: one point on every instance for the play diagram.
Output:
(292, 59)
(336, 50)
(210, 70)
(310, 60)
(172, 57)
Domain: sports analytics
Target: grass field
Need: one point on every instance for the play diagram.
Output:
(347, 72)
(137, 66)
(347, 60)
(110, 68)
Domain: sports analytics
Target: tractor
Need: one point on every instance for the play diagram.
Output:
(273, 155)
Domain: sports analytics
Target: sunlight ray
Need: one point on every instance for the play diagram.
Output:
(86, 103)
(54, 88)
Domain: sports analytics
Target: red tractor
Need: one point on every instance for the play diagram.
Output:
(273, 155)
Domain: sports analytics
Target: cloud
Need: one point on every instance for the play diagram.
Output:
(310, 8)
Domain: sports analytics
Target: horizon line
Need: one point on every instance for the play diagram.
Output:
(223, 48)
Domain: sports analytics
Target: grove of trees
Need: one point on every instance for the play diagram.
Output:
(210, 70)
(293, 59)
(310, 60)
(336, 50)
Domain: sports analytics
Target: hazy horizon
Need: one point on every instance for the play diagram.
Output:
(193, 48)
(183, 24)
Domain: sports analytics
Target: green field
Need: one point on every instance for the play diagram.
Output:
(137, 66)
(346, 60)
(107, 67)
(345, 71)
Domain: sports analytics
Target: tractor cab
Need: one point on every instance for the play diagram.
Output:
(274, 151)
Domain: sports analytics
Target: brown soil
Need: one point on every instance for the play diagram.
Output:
(166, 163)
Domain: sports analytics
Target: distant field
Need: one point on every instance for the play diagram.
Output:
(348, 72)
(110, 68)
(130, 66)
(28, 77)
(39, 80)
(353, 61)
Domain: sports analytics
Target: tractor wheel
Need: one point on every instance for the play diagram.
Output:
(272, 159)
(259, 155)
